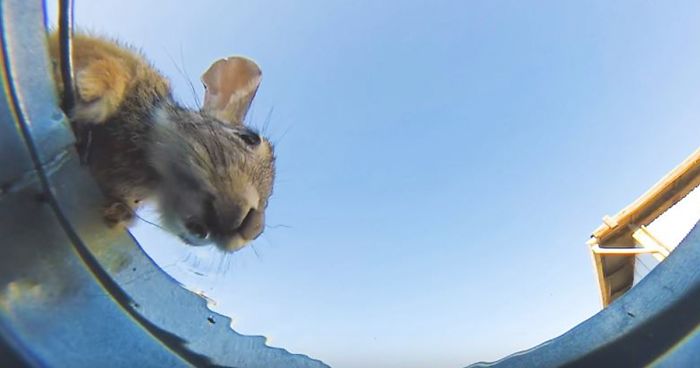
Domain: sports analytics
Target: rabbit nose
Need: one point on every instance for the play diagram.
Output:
(232, 218)
(197, 228)
(238, 208)
(252, 225)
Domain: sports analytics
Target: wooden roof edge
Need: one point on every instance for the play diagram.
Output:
(604, 290)
(673, 187)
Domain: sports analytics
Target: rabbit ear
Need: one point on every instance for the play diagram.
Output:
(230, 86)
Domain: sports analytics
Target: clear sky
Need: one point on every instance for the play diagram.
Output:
(440, 164)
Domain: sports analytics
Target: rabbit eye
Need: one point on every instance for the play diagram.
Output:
(250, 138)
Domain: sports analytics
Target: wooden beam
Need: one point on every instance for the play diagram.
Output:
(646, 239)
(631, 251)
(664, 194)
(600, 278)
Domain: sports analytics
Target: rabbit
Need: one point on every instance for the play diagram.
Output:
(209, 174)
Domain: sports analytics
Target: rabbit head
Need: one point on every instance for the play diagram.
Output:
(215, 174)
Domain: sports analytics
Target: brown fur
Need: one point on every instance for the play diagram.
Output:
(209, 173)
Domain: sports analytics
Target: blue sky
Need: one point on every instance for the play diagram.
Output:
(440, 164)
